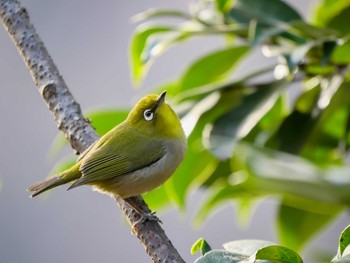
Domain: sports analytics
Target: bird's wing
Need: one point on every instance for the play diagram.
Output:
(84, 153)
(119, 155)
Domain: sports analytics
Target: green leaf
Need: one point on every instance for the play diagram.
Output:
(247, 247)
(273, 172)
(199, 93)
(345, 259)
(278, 254)
(305, 103)
(212, 68)
(138, 43)
(259, 33)
(339, 22)
(222, 136)
(155, 13)
(221, 195)
(292, 133)
(344, 242)
(221, 256)
(333, 109)
(269, 12)
(200, 245)
(327, 9)
(297, 226)
(224, 5)
(275, 116)
(317, 69)
(300, 128)
(303, 29)
(221, 172)
(328, 49)
(341, 54)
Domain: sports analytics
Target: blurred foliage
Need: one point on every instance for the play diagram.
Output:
(280, 130)
(241, 251)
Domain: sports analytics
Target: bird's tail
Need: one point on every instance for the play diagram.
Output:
(67, 176)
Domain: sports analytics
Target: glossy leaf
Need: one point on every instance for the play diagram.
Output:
(278, 254)
(199, 93)
(246, 247)
(295, 128)
(303, 127)
(339, 22)
(333, 103)
(221, 172)
(200, 245)
(212, 68)
(264, 11)
(273, 172)
(221, 256)
(328, 9)
(259, 33)
(275, 116)
(345, 259)
(344, 242)
(296, 226)
(224, 133)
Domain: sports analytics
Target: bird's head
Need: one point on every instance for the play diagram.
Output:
(153, 116)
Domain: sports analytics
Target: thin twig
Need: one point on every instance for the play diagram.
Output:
(70, 120)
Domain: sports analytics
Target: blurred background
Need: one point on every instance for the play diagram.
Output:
(89, 43)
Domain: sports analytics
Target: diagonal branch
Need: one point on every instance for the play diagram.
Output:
(70, 120)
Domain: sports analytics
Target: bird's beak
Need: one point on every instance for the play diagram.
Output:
(160, 100)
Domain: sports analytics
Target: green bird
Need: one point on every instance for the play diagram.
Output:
(136, 156)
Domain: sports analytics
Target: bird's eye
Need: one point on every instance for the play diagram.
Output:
(148, 115)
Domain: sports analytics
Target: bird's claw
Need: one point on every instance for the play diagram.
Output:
(147, 217)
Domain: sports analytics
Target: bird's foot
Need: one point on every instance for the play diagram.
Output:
(146, 217)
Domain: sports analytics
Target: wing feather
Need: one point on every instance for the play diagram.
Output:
(119, 155)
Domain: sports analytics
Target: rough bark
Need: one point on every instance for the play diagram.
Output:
(70, 120)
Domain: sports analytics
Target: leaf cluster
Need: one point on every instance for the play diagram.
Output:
(281, 130)
(251, 251)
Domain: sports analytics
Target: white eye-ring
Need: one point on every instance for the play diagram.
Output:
(148, 115)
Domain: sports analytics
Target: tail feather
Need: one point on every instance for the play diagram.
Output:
(43, 186)
(66, 177)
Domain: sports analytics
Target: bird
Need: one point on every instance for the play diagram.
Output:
(133, 158)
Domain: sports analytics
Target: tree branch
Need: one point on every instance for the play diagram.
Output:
(70, 120)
